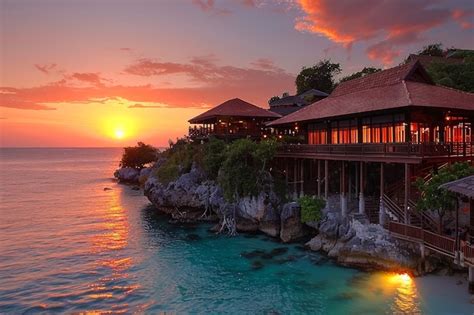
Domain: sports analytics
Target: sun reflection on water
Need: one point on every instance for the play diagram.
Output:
(399, 290)
(109, 247)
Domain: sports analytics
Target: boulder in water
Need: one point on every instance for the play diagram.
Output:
(127, 175)
(291, 227)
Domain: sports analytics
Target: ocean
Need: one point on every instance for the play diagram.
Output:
(73, 240)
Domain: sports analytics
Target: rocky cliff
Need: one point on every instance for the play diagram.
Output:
(352, 242)
(193, 194)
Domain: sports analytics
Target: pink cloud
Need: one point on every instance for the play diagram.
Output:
(350, 21)
(464, 18)
(218, 83)
(87, 77)
(46, 68)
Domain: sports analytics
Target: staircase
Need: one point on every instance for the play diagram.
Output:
(394, 201)
(372, 207)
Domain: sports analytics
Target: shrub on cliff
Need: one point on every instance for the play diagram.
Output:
(179, 160)
(244, 168)
(213, 156)
(311, 207)
(137, 157)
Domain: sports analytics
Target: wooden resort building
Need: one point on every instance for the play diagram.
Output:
(232, 119)
(288, 104)
(371, 138)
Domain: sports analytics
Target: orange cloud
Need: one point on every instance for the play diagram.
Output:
(46, 68)
(92, 78)
(217, 83)
(349, 21)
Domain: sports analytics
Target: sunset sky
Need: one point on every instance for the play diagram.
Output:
(113, 72)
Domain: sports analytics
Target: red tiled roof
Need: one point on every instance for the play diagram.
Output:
(234, 107)
(387, 89)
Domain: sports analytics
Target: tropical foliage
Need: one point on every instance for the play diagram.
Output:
(311, 208)
(178, 159)
(441, 200)
(138, 156)
(457, 76)
(360, 74)
(244, 169)
(320, 76)
(214, 156)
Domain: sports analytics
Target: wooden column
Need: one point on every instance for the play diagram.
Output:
(361, 189)
(407, 191)
(286, 176)
(302, 178)
(326, 179)
(471, 219)
(319, 178)
(356, 180)
(343, 190)
(295, 179)
(382, 206)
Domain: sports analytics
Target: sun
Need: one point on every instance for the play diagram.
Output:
(119, 133)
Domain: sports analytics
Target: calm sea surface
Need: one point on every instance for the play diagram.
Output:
(67, 246)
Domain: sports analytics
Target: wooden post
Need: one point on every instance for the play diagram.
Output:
(319, 178)
(356, 180)
(343, 190)
(286, 176)
(361, 189)
(407, 191)
(382, 206)
(471, 279)
(326, 179)
(349, 181)
(295, 179)
(302, 178)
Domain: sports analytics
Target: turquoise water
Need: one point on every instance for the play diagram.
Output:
(67, 245)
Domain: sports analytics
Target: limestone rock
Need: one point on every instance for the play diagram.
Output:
(127, 175)
(291, 226)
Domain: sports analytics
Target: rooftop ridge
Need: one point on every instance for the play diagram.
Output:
(410, 101)
(385, 78)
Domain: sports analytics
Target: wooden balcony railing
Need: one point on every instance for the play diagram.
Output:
(468, 252)
(205, 132)
(381, 149)
(441, 243)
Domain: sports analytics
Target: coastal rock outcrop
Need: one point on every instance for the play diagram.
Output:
(127, 175)
(366, 246)
(291, 227)
(193, 192)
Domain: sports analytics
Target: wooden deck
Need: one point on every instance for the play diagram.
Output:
(390, 152)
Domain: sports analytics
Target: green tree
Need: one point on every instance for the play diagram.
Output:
(311, 208)
(214, 156)
(360, 74)
(244, 169)
(458, 76)
(138, 156)
(435, 50)
(179, 159)
(320, 76)
(273, 99)
(441, 200)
